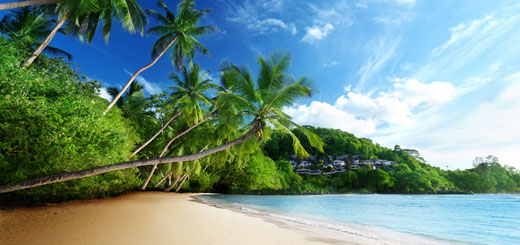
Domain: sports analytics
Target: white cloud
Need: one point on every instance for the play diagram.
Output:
(332, 63)
(348, 88)
(258, 17)
(338, 14)
(394, 19)
(383, 51)
(315, 32)
(455, 136)
(150, 87)
(361, 114)
(104, 94)
(326, 19)
(414, 92)
(473, 83)
(473, 30)
(326, 115)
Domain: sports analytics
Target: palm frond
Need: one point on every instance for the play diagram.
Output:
(272, 71)
(57, 52)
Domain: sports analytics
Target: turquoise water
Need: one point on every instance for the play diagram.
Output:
(474, 219)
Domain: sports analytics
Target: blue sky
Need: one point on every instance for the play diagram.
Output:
(442, 77)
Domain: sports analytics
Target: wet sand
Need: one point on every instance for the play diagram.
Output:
(160, 218)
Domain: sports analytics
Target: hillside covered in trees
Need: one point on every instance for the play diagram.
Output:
(270, 172)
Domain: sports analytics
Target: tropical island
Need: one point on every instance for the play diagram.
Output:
(61, 141)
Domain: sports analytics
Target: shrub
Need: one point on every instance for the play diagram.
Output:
(52, 122)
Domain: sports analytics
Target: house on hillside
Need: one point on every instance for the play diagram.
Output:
(315, 172)
(338, 163)
(304, 164)
(302, 171)
(340, 170)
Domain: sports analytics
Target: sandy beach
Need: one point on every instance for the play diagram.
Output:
(163, 218)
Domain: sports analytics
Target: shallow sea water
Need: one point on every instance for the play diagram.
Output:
(468, 219)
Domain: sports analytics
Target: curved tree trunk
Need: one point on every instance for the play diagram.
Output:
(182, 183)
(137, 73)
(12, 5)
(171, 171)
(167, 189)
(156, 134)
(45, 42)
(165, 149)
(123, 165)
(163, 179)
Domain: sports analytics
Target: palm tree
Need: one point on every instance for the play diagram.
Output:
(18, 4)
(265, 100)
(259, 103)
(86, 15)
(189, 95)
(190, 92)
(30, 26)
(178, 31)
(134, 89)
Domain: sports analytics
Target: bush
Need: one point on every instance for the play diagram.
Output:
(52, 122)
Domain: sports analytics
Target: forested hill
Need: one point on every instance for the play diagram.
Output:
(408, 174)
(337, 143)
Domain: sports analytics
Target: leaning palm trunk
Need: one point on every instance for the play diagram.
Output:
(19, 4)
(163, 179)
(182, 183)
(124, 165)
(165, 149)
(167, 189)
(171, 171)
(156, 134)
(45, 42)
(137, 73)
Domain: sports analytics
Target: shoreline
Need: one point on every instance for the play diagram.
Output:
(169, 218)
(322, 229)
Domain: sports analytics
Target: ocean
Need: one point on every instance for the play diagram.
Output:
(466, 219)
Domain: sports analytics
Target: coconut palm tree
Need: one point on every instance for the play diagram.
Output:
(260, 104)
(189, 96)
(87, 15)
(30, 26)
(134, 89)
(178, 31)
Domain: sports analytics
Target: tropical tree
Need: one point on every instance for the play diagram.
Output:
(30, 26)
(189, 96)
(87, 15)
(264, 102)
(178, 31)
(134, 89)
(259, 105)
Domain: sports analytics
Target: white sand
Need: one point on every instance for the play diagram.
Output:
(163, 218)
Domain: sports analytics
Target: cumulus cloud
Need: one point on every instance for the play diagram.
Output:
(362, 114)
(315, 33)
(326, 115)
(483, 128)
(414, 92)
(104, 94)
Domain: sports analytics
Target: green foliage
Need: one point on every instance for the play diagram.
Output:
(183, 27)
(52, 123)
(488, 176)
